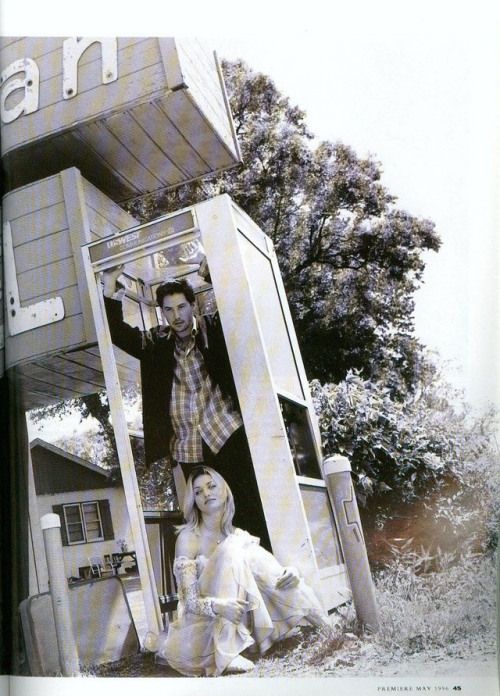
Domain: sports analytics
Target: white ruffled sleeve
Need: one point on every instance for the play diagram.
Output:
(186, 574)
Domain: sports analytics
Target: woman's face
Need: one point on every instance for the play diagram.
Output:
(209, 495)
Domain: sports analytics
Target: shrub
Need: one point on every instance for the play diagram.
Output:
(404, 446)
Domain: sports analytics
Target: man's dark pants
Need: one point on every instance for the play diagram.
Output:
(234, 463)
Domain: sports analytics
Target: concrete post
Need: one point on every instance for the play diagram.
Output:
(337, 474)
(59, 592)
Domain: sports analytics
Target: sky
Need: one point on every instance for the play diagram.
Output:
(414, 84)
(423, 104)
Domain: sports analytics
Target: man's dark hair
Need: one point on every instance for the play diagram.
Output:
(173, 287)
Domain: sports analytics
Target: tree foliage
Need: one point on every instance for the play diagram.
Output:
(407, 447)
(350, 259)
(100, 447)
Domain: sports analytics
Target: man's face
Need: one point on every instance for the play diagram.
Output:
(178, 313)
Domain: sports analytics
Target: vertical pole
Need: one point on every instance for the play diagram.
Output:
(59, 592)
(127, 467)
(180, 484)
(337, 474)
(38, 575)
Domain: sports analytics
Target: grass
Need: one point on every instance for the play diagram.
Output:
(449, 609)
(446, 613)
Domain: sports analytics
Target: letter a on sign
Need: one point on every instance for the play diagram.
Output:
(29, 83)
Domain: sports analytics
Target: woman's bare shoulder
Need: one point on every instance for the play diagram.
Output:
(187, 544)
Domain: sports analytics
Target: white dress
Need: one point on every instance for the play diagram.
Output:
(198, 643)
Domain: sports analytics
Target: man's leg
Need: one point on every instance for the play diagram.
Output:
(180, 483)
(234, 463)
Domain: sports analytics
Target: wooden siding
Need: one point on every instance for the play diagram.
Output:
(206, 87)
(140, 71)
(164, 121)
(50, 220)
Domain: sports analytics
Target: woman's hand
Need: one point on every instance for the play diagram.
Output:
(289, 578)
(231, 609)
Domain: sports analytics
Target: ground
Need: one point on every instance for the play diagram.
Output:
(296, 657)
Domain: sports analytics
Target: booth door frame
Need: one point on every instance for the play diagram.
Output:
(159, 233)
(266, 436)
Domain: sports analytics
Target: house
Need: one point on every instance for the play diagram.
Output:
(90, 504)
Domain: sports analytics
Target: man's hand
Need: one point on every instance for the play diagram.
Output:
(110, 277)
(204, 271)
(192, 252)
(289, 578)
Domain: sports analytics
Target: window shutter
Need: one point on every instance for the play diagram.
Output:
(58, 510)
(107, 523)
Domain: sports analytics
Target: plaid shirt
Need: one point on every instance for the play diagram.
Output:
(198, 409)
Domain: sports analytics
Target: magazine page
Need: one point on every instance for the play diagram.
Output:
(249, 345)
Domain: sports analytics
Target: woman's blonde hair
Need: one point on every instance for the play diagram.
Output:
(192, 513)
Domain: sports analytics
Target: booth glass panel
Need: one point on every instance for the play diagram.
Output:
(321, 523)
(269, 310)
(300, 438)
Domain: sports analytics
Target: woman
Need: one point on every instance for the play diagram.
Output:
(233, 594)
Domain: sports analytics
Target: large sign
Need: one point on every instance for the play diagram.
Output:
(134, 115)
(27, 76)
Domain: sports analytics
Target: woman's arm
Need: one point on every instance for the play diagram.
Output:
(186, 573)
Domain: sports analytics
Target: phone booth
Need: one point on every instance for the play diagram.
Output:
(246, 289)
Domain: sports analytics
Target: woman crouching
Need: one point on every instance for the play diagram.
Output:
(233, 594)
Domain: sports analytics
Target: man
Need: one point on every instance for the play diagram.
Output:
(189, 401)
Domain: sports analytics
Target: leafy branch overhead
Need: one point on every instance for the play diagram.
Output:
(351, 260)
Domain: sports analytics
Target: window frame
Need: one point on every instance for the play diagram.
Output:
(80, 505)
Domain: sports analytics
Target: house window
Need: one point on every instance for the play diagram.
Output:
(85, 522)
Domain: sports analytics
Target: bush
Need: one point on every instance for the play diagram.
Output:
(404, 446)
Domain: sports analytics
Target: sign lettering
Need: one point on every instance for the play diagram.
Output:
(142, 236)
(20, 319)
(30, 83)
(28, 76)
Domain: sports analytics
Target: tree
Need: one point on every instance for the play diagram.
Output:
(350, 259)
(102, 445)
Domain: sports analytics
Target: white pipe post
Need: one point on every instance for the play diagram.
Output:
(59, 592)
(337, 474)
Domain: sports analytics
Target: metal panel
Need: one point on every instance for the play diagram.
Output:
(104, 628)
(269, 311)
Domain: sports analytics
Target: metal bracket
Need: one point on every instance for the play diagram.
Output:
(20, 319)
(352, 516)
